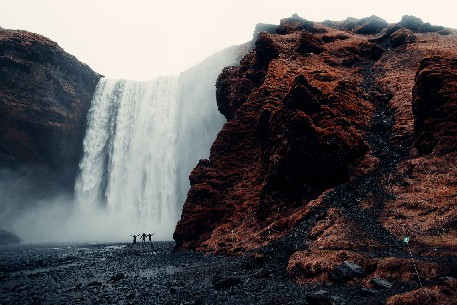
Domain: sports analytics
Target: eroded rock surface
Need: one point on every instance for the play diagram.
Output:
(435, 105)
(339, 149)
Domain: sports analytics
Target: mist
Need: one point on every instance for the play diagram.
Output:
(38, 210)
(33, 202)
(53, 221)
(142, 141)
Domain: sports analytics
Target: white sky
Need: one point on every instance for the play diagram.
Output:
(140, 39)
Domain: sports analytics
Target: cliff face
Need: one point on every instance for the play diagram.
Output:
(45, 94)
(287, 140)
(340, 142)
(198, 118)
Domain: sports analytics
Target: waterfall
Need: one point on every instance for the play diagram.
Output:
(142, 140)
(129, 162)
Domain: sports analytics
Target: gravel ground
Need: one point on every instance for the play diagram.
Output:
(126, 274)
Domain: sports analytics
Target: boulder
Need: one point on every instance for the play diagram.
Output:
(381, 283)
(347, 270)
(402, 37)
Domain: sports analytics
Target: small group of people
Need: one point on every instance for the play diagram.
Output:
(143, 237)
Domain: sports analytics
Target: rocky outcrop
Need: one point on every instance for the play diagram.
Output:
(44, 98)
(435, 105)
(289, 138)
(369, 25)
(402, 37)
(417, 25)
(337, 163)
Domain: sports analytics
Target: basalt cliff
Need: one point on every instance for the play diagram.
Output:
(45, 94)
(337, 165)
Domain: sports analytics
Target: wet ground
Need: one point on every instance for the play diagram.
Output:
(126, 274)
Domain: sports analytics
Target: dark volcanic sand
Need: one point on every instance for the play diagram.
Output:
(122, 274)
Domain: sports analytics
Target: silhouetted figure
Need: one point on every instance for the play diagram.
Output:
(134, 239)
(143, 237)
(149, 237)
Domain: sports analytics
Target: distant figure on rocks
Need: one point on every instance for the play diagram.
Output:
(134, 238)
(150, 236)
(143, 237)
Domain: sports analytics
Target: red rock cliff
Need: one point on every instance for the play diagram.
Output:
(340, 142)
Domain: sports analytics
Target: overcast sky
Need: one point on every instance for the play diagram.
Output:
(140, 39)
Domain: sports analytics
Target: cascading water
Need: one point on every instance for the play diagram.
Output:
(129, 163)
(142, 141)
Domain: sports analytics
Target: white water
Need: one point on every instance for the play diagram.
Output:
(129, 163)
(142, 141)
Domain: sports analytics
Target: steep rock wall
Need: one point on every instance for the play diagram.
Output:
(337, 164)
(295, 125)
(45, 94)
